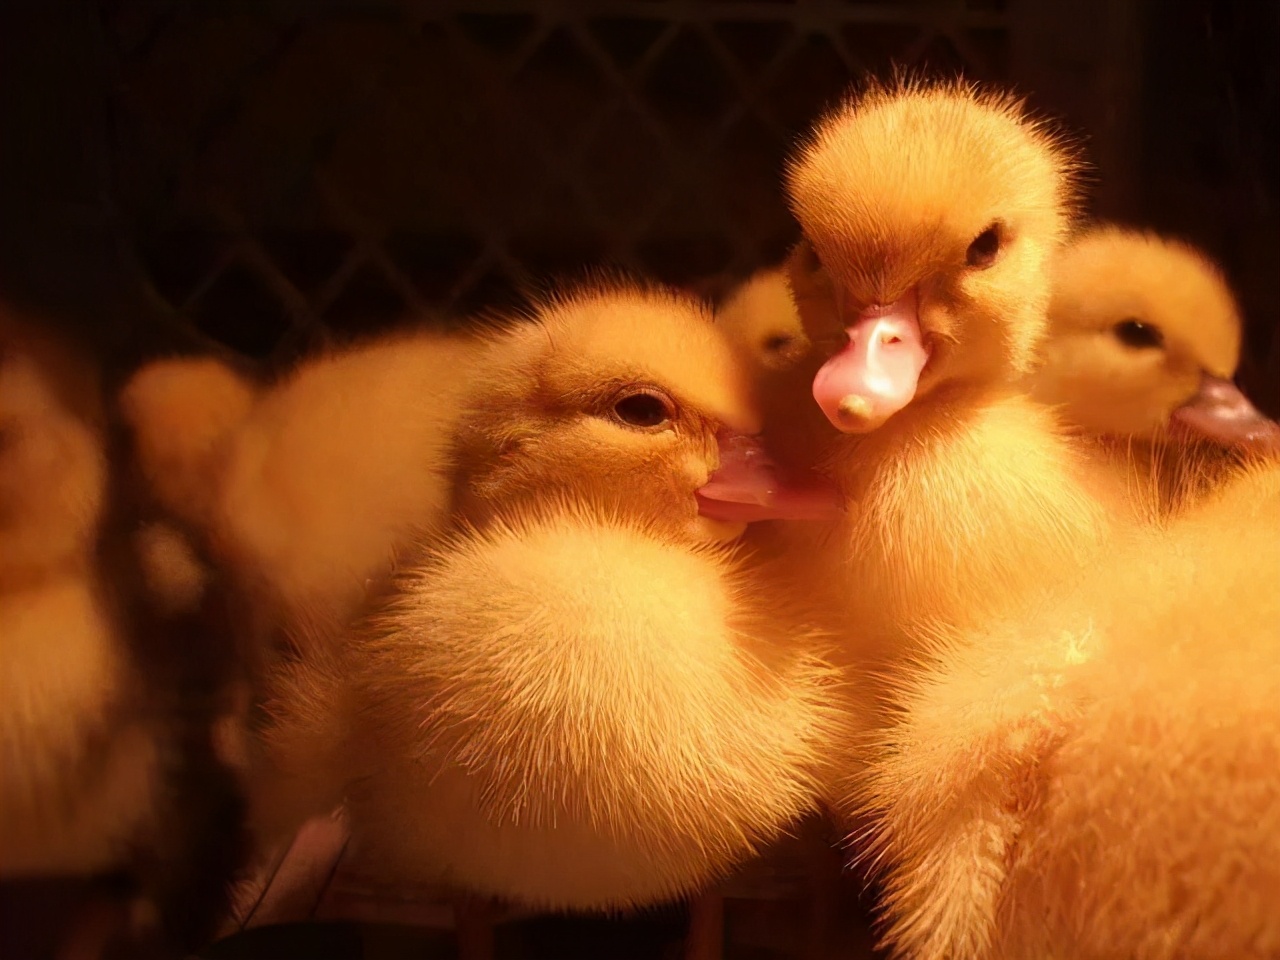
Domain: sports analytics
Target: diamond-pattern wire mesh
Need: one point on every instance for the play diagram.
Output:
(323, 167)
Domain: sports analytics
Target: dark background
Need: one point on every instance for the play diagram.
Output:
(277, 171)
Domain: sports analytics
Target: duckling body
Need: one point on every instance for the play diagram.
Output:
(1093, 774)
(587, 434)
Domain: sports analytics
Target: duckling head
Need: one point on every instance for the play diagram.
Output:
(761, 317)
(930, 213)
(1144, 336)
(628, 395)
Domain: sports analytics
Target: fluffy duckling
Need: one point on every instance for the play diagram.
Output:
(120, 700)
(1144, 338)
(304, 486)
(576, 701)
(930, 215)
(53, 477)
(1094, 775)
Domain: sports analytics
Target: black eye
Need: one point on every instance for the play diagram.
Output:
(1139, 335)
(777, 342)
(645, 409)
(985, 248)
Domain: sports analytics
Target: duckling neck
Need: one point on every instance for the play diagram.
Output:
(972, 498)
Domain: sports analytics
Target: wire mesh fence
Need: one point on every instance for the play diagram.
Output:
(332, 165)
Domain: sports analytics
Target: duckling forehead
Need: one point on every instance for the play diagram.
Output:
(1119, 275)
(921, 173)
(669, 344)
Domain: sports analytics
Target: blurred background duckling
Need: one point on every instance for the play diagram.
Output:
(304, 485)
(1095, 774)
(122, 700)
(578, 700)
(760, 315)
(1144, 339)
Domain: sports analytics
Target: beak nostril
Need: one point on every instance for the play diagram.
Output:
(890, 339)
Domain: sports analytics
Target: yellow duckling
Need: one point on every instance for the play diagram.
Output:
(923, 287)
(577, 700)
(1144, 338)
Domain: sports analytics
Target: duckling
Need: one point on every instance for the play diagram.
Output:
(923, 284)
(575, 700)
(304, 486)
(760, 315)
(1144, 338)
(52, 491)
(1093, 775)
(120, 697)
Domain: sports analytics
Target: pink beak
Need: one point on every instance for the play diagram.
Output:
(877, 372)
(1221, 412)
(747, 487)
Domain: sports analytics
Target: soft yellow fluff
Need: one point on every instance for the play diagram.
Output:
(52, 467)
(574, 711)
(1095, 775)
(183, 413)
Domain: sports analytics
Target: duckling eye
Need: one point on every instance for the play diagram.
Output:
(1138, 335)
(985, 248)
(779, 341)
(644, 409)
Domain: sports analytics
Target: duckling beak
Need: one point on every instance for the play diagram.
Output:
(1220, 412)
(877, 372)
(747, 487)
